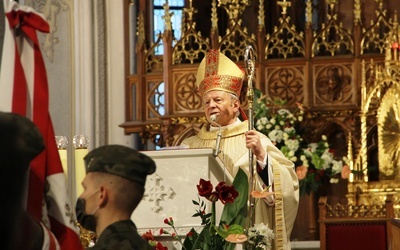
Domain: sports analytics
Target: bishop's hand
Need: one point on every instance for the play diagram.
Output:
(253, 142)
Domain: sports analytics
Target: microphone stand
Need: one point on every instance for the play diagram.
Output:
(213, 119)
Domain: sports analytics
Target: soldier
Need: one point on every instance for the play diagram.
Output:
(113, 187)
(20, 143)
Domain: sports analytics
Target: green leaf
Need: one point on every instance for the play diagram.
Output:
(189, 241)
(233, 212)
(317, 161)
(202, 238)
(207, 215)
(233, 229)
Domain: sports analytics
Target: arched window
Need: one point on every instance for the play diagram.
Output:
(176, 7)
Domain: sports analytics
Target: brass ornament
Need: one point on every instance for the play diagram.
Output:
(389, 134)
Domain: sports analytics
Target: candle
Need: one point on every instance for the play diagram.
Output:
(81, 143)
(62, 143)
(395, 47)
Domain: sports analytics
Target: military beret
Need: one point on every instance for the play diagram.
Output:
(122, 161)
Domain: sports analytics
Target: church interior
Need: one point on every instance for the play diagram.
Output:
(124, 72)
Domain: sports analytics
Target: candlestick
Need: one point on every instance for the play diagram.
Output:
(62, 143)
(81, 143)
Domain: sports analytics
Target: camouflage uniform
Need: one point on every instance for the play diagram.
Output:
(120, 235)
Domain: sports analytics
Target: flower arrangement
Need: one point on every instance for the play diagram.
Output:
(230, 229)
(314, 162)
(319, 162)
(281, 126)
(260, 236)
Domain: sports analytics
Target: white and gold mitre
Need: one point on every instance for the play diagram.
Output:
(218, 72)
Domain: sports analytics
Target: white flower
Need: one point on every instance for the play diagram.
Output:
(327, 157)
(337, 167)
(269, 125)
(273, 121)
(259, 126)
(283, 112)
(334, 180)
(346, 160)
(300, 118)
(289, 130)
(310, 150)
(263, 120)
(303, 158)
(285, 136)
(294, 158)
(313, 146)
(292, 144)
(324, 138)
(276, 135)
(281, 123)
(260, 236)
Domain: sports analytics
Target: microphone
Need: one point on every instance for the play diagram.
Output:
(213, 119)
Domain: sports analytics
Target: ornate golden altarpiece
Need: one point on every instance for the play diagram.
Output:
(327, 54)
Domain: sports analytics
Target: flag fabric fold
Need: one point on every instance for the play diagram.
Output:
(24, 90)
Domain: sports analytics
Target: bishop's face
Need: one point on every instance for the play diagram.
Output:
(222, 105)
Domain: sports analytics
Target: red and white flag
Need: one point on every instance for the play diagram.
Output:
(24, 90)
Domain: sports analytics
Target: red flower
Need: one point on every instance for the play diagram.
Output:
(161, 231)
(205, 188)
(148, 236)
(227, 194)
(169, 221)
(159, 246)
(221, 186)
(189, 234)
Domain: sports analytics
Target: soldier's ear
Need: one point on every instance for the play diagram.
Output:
(103, 196)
